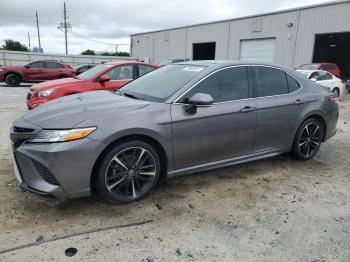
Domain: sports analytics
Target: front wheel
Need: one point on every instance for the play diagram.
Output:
(308, 139)
(129, 172)
(13, 80)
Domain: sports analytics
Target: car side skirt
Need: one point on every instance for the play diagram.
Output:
(226, 162)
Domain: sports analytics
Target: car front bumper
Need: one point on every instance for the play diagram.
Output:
(62, 170)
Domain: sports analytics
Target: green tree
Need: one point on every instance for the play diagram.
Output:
(115, 54)
(14, 46)
(88, 52)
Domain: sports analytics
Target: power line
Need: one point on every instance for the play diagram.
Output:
(94, 40)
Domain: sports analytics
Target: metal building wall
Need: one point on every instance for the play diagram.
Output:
(318, 20)
(294, 44)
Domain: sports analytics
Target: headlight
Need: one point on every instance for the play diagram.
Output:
(50, 136)
(45, 92)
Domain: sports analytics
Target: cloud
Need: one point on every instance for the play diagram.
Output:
(100, 24)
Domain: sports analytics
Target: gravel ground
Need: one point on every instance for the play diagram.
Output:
(277, 209)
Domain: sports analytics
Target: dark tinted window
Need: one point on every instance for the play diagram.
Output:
(270, 81)
(328, 67)
(37, 65)
(292, 84)
(144, 69)
(53, 65)
(225, 85)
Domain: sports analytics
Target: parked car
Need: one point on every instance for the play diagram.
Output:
(178, 119)
(106, 76)
(329, 67)
(82, 68)
(40, 70)
(325, 79)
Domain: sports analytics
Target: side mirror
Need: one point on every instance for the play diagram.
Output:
(104, 78)
(200, 100)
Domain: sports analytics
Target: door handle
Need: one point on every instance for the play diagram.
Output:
(247, 109)
(299, 102)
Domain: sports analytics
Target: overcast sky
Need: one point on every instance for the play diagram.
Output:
(99, 25)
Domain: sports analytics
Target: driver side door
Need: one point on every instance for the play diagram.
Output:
(224, 130)
(119, 75)
(36, 71)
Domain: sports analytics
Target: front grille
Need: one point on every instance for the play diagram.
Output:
(18, 129)
(45, 173)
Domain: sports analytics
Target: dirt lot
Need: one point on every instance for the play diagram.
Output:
(277, 209)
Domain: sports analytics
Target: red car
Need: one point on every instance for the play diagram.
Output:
(330, 67)
(107, 76)
(35, 71)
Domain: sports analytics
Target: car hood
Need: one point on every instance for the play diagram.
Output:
(59, 83)
(69, 111)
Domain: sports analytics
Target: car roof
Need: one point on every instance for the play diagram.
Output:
(225, 63)
(128, 62)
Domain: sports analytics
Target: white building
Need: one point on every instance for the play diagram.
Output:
(316, 33)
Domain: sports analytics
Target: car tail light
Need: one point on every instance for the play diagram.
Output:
(334, 98)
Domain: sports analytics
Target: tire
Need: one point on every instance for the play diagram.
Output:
(336, 91)
(13, 80)
(308, 139)
(128, 172)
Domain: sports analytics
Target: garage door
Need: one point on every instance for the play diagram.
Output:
(261, 50)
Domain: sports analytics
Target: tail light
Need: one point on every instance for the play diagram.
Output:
(334, 98)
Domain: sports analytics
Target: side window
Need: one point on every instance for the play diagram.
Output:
(225, 85)
(325, 76)
(53, 65)
(124, 72)
(315, 75)
(292, 84)
(144, 69)
(37, 65)
(270, 81)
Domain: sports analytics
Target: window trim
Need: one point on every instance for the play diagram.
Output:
(251, 84)
(218, 70)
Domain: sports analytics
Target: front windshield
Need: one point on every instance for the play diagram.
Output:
(160, 84)
(87, 75)
(305, 73)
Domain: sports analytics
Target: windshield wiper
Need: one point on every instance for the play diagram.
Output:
(130, 95)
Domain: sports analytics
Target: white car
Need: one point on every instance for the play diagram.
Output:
(325, 79)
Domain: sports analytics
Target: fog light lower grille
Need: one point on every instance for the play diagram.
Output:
(45, 173)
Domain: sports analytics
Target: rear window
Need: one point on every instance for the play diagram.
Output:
(308, 67)
(292, 84)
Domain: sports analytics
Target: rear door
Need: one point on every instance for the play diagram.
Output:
(119, 75)
(36, 71)
(224, 130)
(53, 70)
(280, 103)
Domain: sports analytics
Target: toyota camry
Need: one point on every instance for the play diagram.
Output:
(179, 119)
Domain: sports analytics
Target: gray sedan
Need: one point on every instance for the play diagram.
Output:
(179, 119)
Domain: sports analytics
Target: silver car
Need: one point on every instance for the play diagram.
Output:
(179, 119)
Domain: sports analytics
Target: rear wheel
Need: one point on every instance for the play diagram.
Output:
(129, 172)
(336, 91)
(13, 80)
(308, 139)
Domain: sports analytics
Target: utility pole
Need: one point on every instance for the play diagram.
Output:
(65, 25)
(29, 41)
(37, 26)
